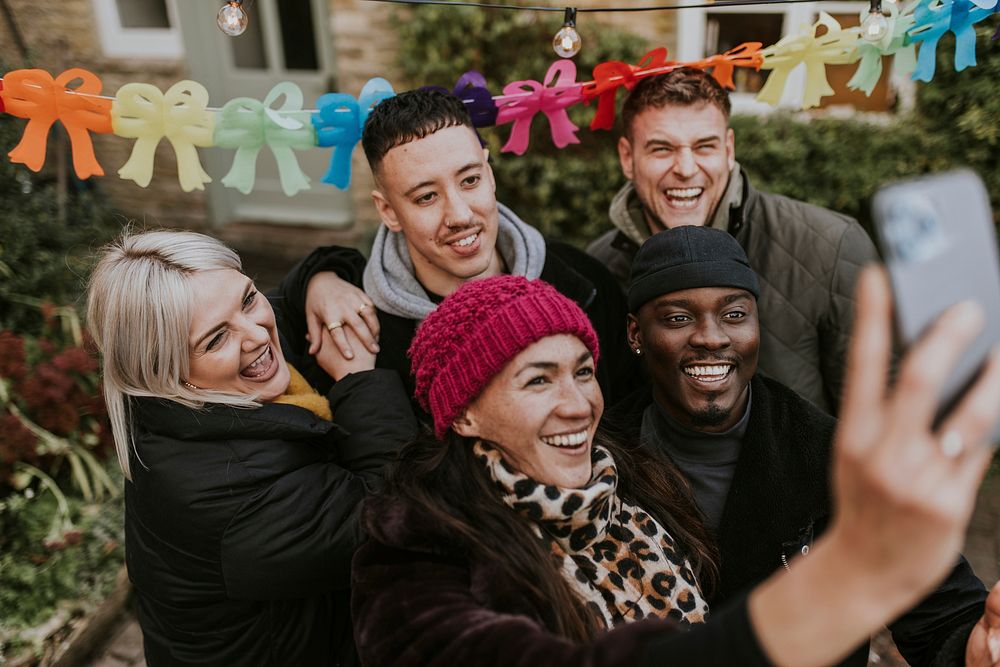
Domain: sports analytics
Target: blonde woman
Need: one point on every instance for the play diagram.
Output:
(242, 490)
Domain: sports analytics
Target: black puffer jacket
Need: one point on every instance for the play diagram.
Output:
(241, 524)
(808, 259)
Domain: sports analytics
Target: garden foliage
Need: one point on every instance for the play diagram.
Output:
(963, 108)
(60, 511)
(40, 255)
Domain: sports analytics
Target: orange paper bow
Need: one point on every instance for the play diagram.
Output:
(746, 54)
(33, 94)
(612, 75)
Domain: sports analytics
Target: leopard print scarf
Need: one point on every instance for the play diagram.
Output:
(618, 559)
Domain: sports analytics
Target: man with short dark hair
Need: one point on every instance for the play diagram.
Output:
(678, 153)
(442, 226)
(756, 454)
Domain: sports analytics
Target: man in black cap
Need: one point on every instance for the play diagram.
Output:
(755, 453)
(679, 156)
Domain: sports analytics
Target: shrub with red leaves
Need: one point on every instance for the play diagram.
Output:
(11, 356)
(57, 387)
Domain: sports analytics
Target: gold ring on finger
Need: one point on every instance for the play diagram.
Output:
(362, 308)
(334, 325)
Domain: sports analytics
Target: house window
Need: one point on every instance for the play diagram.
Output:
(724, 31)
(704, 32)
(138, 28)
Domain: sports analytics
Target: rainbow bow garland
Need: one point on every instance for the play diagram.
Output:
(181, 115)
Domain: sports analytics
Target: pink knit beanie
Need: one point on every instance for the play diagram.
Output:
(472, 335)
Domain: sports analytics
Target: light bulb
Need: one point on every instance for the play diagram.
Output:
(875, 26)
(567, 41)
(232, 19)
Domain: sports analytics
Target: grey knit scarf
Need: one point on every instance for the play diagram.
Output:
(391, 282)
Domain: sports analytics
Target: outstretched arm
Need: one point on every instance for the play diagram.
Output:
(902, 498)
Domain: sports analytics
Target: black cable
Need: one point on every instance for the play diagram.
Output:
(536, 8)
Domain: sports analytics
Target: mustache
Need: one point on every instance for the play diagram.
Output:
(456, 233)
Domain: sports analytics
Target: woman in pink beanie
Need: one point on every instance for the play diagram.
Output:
(520, 533)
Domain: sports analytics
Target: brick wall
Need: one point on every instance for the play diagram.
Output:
(364, 41)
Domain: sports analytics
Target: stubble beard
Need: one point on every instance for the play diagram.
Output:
(710, 416)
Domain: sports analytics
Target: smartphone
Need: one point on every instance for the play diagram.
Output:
(939, 242)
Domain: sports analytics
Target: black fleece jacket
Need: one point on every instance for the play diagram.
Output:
(779, 502)
(422, 597)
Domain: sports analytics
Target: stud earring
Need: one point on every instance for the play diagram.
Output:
(638, 351)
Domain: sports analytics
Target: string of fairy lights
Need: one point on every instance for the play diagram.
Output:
(233, 17)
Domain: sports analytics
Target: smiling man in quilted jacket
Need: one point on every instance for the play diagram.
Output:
(678, 154)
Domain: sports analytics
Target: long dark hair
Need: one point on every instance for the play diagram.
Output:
(444, 484)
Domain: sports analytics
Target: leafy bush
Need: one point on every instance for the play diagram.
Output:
(39, 584)
(963, 108)
(60, 518)
(835, 163)
(60, 514)
(40, 255)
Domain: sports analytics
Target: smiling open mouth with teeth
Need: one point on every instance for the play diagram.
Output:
(709, 373)
(684, 193)
(567, 439)
(467, 241)
(260, 366)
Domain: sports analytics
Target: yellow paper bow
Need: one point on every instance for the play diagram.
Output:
(141, 112)
(838, 46)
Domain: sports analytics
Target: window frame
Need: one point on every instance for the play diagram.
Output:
(691, 29)
(118, 41)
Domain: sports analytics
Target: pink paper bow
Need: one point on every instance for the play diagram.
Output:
(551, 100)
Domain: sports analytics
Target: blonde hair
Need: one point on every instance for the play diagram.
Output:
(139, 309)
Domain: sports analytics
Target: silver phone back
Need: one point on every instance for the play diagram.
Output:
(940, 247)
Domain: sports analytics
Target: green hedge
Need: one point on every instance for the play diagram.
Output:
(833, 163)
(963, 108)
